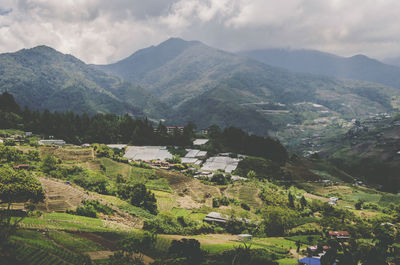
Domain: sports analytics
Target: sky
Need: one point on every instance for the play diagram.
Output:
(104, 31)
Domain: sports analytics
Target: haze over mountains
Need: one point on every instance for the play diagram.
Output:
(358, 67)
(185, 81)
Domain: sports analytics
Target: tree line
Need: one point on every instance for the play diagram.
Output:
(110, 128)
(99, 128)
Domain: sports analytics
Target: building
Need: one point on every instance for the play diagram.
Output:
(147, 153)
(52, 142)
(245, 237)
(200, 141)
(21, 166)
(172, 129)
(214, 217)
(117, 146)
(339, 234)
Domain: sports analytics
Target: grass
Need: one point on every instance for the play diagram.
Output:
(64, 221)
(188, 214)
(287, 261)
(247, 194)
(73, 242)
(114, 168)
(278, 241)
(9, 132)
(305, 239)
(218, 248)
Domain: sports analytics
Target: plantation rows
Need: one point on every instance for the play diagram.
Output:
(40, 256)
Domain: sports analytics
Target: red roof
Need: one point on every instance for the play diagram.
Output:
(339, 233)
(21, 166)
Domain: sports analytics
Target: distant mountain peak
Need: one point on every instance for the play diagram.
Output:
(178, 43)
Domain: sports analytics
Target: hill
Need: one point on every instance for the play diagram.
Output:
(358, 67)
(43, 78)
(210, 86)
(369, 150)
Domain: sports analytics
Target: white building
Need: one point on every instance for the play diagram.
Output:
(52, 142)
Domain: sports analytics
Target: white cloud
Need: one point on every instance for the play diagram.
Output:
(101, 31)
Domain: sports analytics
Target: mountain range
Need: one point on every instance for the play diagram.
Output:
(183, 81)
(358, 67)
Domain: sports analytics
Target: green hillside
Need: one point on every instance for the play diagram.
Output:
(42, 78)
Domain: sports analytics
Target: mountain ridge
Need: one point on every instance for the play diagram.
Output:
(43, 78)
(357, 67)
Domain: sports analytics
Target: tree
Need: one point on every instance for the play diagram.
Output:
(49, 163)
(16, 187)
(291, 200)
(138, 195)
(359, 204)
(303, 202)
(298, 245)
(219, 179)
(278, 220)
(187, 248)
(132, 249)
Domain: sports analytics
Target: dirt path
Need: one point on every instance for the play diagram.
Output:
(211, 239)
(316, 197)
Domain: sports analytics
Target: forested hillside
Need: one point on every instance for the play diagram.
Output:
(42, 78)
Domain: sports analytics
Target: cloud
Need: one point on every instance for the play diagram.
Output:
(101, 31)
(4, 12)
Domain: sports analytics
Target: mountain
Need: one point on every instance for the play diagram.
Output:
(210, 86)
(177, 70)
(392, 61)
(43, 78)
(358, 67)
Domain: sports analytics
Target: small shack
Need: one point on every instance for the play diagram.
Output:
(339, 234)
(245, 237)
(214, 217)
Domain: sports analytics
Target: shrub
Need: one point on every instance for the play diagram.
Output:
(138, 195)
(87, 210)
(245, 206)
(219, 179)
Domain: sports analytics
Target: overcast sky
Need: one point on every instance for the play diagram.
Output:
(99, 31)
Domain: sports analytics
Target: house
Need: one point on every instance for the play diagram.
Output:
(172, 129)
(339, 234)
(117, 146)
(333, 200)
(200, 141)
(28, 134)
(245, 237)
(22, 166)
(52, 142)
(238, 178)
(214, 217)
